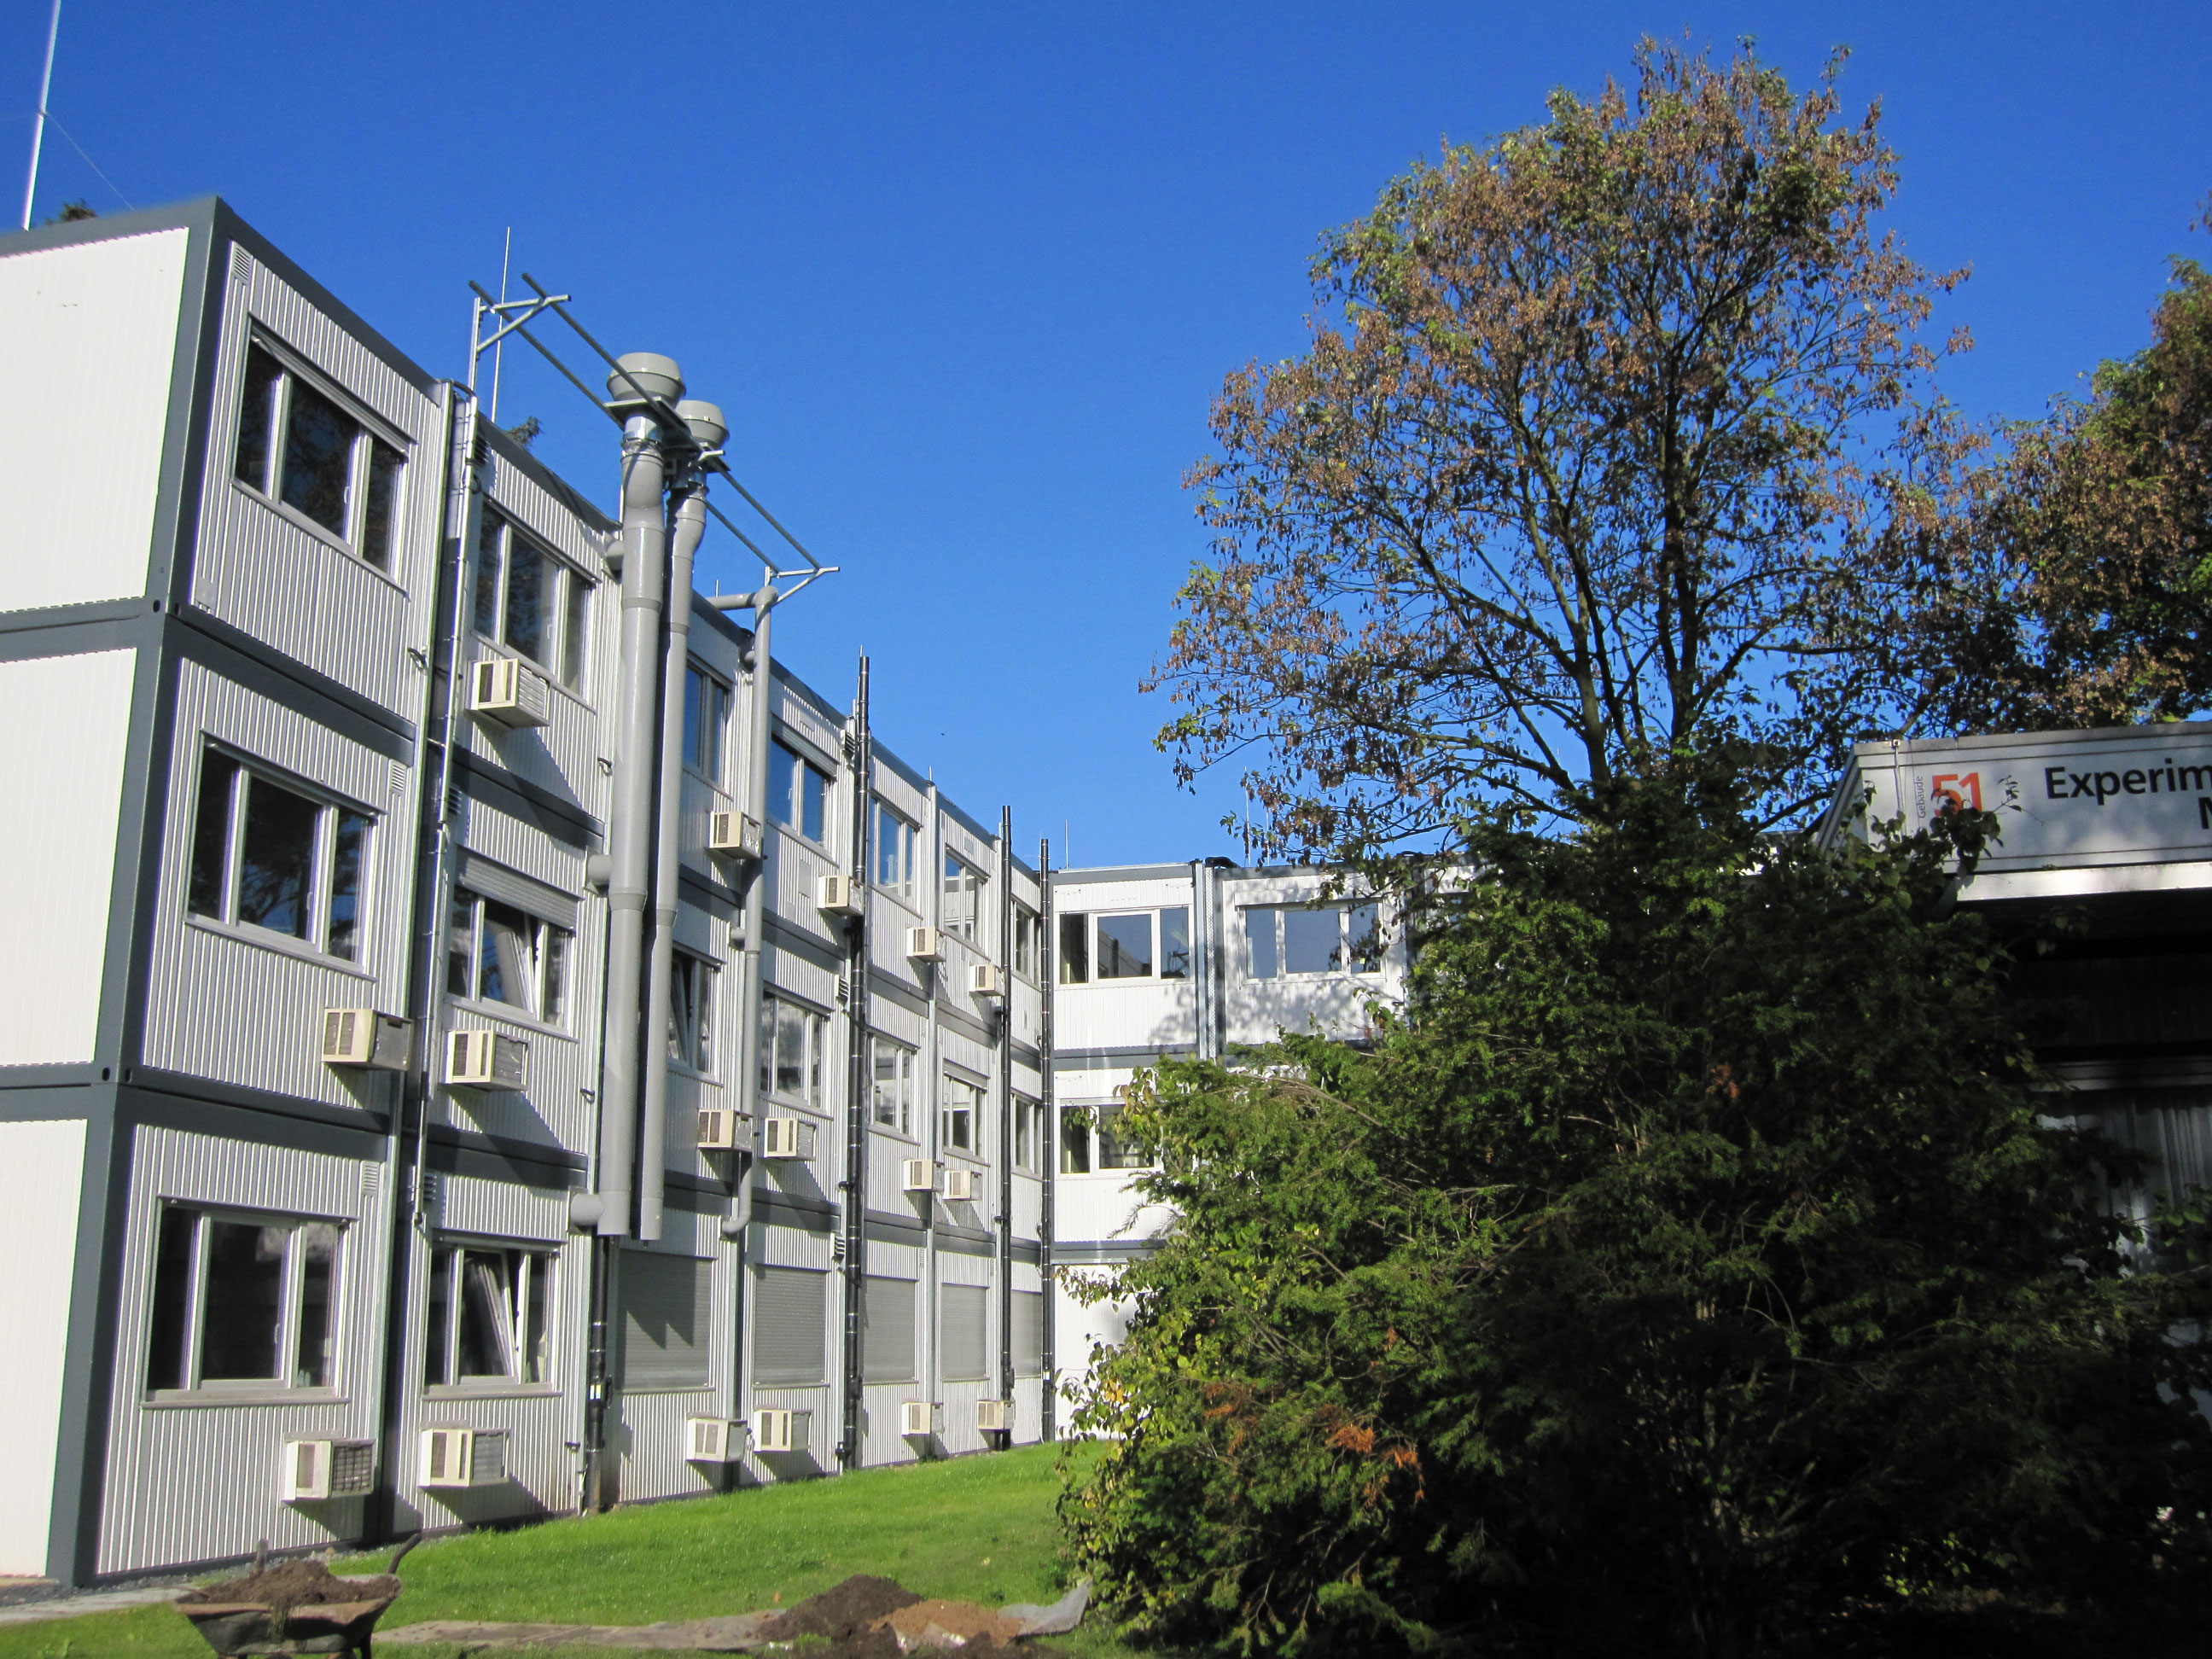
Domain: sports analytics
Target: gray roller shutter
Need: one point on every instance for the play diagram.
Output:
(1028, 1333)
(887, 1330)
(667, 1321)
(963, 1330)
(790, 1328)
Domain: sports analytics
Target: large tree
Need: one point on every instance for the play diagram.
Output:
(1596, 430)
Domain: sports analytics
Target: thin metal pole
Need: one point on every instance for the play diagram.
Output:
(499, 346)
(39, 125)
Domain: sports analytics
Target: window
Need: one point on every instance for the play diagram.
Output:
(887, 1343)
(297, 447)
(530, 601)
(1028, 1333)
(496, 953)
(691, 1013)
(1075, 950)
(266, 855)
(1075, 1139)
(964, 899)
(1312, 939)
(963, 1332)
(791, 1327)
(705, 724)
(894, 843)
(891, 1084)
(1025, 943)
(1116, 1150)
(1029, 1136)
(491, 1316)
(1132, 945)
(798, 793)
(668, 1320)
(1125, 946)
(961, 1110)
(795, 1043)
(1079, 1126)
(243, 1303)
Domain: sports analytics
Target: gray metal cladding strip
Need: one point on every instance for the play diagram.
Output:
(548, 903)
(1095, 1252)
(565, 820)
(1025, 1055)
(1093, 1060)
(707, 894)
(974, 1030)
(245, 1125)
(880, 984)
(153, 1079)
(1029, 1250)
(236, 655)
(813, 947)
(888, 1228)
(504, 1157)
(789, 1210)
(76, 630)
(962, 1243)
(1123, 872)
(25, 1102)
(50, 1077)
(2121, 1071)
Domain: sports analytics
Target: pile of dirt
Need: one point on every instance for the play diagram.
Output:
(844, 1611)
(871, 1618)
(291, 1584)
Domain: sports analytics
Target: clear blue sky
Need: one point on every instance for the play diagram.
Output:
(967, 275)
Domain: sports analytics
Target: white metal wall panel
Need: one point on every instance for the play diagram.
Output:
(1141, 1013)
(42, 1174)
(562, 757)
(503, 1209)
(87, 344)
(62, 751)
(226, 1456)
(490, 829)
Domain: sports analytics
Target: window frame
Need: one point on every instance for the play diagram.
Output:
(332, 811)
(815, 1067)
(1094, 955)
(904, 1081)
(369, 430)
(495, 1007)
(906, 888)
(691, 1045)
(803, 770)
(699, 732)
(575, 585)
(972, 885)
(1028, 939)
(197, 1389)
(449, 1251)
(951, 1088)
(1346, 965)
(1031, 1144)
(1095, 1115)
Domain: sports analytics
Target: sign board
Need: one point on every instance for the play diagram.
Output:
(2129, 799)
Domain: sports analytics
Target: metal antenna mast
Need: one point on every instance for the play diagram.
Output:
(39, 123)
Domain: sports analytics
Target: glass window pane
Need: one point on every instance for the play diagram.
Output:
(243, 1306)
(1116, 1150)
(257, 414)
(1364, 925)
(790, 1049)
(486, 1347)
(380, 515)
(783, 766)
(278, 862)
(818, 1028)
(1260, 940)
(211, 834)
(700, 1006)
(508, 967)
(1175, 942)
(346, 866)
(1075, 1140)
(489, 560)
(575, 622)
(318, 458)
(172, 1300)
(695, 753)
(1312, 940)
(537, 1324)
(553, 1007)
(1125, 946)
(461, 944)
(435, 1355)
(1074, 949)
(811, 808)
(679, 1008)
(527, 599)
(318, 1254)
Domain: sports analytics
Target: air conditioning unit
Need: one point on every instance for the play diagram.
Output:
(713, 1440)
(917, 1174)
(994, 1416)
(923, 944)
(364, 1037)
(462, 1457)
(984, 980)
(734, 834)
(834, 895)
(719, 1129)
(511, 692)
(778, 1431)
(316, 1471)
(960, 1186)
(486, 1060)
(917, 1417)
(786, 1137)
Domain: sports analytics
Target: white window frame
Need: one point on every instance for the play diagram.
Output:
(449, 1251)
(1093, 920)
(1347, 966)
(542, 934)
(814, 1062)
(1028, 939)
(370, 431)
(962, 881)
(575, 590)
(905, 835)
(707, 729)
(1031, 1140)
(200, 1389)
(956, 1094)
(331, 812)
(902, 1082)
(693, 981)
(790, 813)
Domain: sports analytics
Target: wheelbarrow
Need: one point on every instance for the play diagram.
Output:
(235, 1629)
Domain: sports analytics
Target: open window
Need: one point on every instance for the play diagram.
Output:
(490, 1317)
(498, 953)
(243, 1303)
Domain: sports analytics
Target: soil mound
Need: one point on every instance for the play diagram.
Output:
(293, 1584)
(843, 1612)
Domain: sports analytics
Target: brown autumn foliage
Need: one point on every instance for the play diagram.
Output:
(1601, 432)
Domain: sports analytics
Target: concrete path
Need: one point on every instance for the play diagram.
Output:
(77, 1607)
(739, 1634)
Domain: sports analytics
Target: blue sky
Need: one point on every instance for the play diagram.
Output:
(966, 276)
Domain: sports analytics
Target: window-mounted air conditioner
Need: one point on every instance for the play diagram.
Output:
(923, 944)
(778, 1431)
(917, 1417)
(733, 835)
(834, 895)
(984, 980)
(719, 1129)
(364, 1037)
(316, 1471)
(960, 1186)
(509, 691)
(462, 1457)
(713, 1440)
(994, 1416)
(786, 1137)
(486, 1060)
(917, 1174)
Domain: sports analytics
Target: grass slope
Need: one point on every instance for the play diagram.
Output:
(975, 1528)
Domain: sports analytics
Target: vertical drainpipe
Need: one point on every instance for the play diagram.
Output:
(1201, 960)
(1047, 977)
(687, 494)
(854, 1186)
(1005, 1036)
(630, 850)
(933, 1076)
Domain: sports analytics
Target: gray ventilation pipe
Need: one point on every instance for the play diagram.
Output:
(689, 495)
(630, 823)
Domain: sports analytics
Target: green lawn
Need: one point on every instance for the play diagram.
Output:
(975, 1528)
